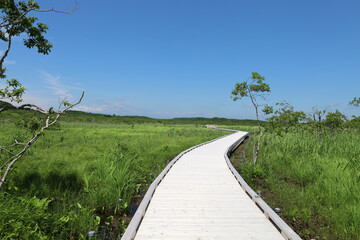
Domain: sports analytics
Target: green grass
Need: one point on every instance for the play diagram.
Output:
(245, 128)
(71, 180)
(314, 179)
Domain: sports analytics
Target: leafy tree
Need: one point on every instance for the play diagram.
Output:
(284, 118)
(353, 123)
(334, 120)
(256, 89)
(15, 22)
(355, 102)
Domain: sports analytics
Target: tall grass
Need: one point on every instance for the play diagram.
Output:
(315, 179)
(85, 175)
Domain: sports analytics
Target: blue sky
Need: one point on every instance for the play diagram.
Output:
(182, 58)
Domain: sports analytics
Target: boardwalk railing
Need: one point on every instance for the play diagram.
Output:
(280, 225)
(274, 218)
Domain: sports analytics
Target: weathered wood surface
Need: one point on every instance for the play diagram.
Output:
(199, 198)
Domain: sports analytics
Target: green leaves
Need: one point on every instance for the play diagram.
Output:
(255, 85)
(334, 120)
(355, 102)
(285, 117)
(268, 109)
(32, 124)
(13, 90)
(240, 90)
(260, 86)
(14, 21)
(36, 39)
(66, 104)
(23, 217)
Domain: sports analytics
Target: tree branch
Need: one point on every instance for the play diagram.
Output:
(9, 25)
(28, 107)
(58, 11)
(12, 145)
(17, 20)
(48, 123)
(4, 56)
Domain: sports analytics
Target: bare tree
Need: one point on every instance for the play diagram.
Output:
(318, 115)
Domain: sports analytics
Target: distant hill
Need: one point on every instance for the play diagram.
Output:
(214, 120)
(96, 117)
(79, 116)
(6, 104)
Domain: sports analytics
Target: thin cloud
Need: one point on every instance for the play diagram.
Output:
(332, 104)
(107, 108)
(9, 62)
(42, 102)
(54, 83)
(85, 108)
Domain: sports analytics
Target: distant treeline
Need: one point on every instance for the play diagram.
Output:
(79, 116)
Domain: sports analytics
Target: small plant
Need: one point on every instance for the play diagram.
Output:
(253, 173)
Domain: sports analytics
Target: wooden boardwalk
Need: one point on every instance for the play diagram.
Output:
(199, 198)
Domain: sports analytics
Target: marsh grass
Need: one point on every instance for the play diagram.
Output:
(315, 179)
(83, 175)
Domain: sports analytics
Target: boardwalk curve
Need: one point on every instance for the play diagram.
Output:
(200, 196)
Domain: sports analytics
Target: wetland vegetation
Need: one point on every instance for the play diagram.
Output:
(313, 176)
(84, 175)
(89, 172)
